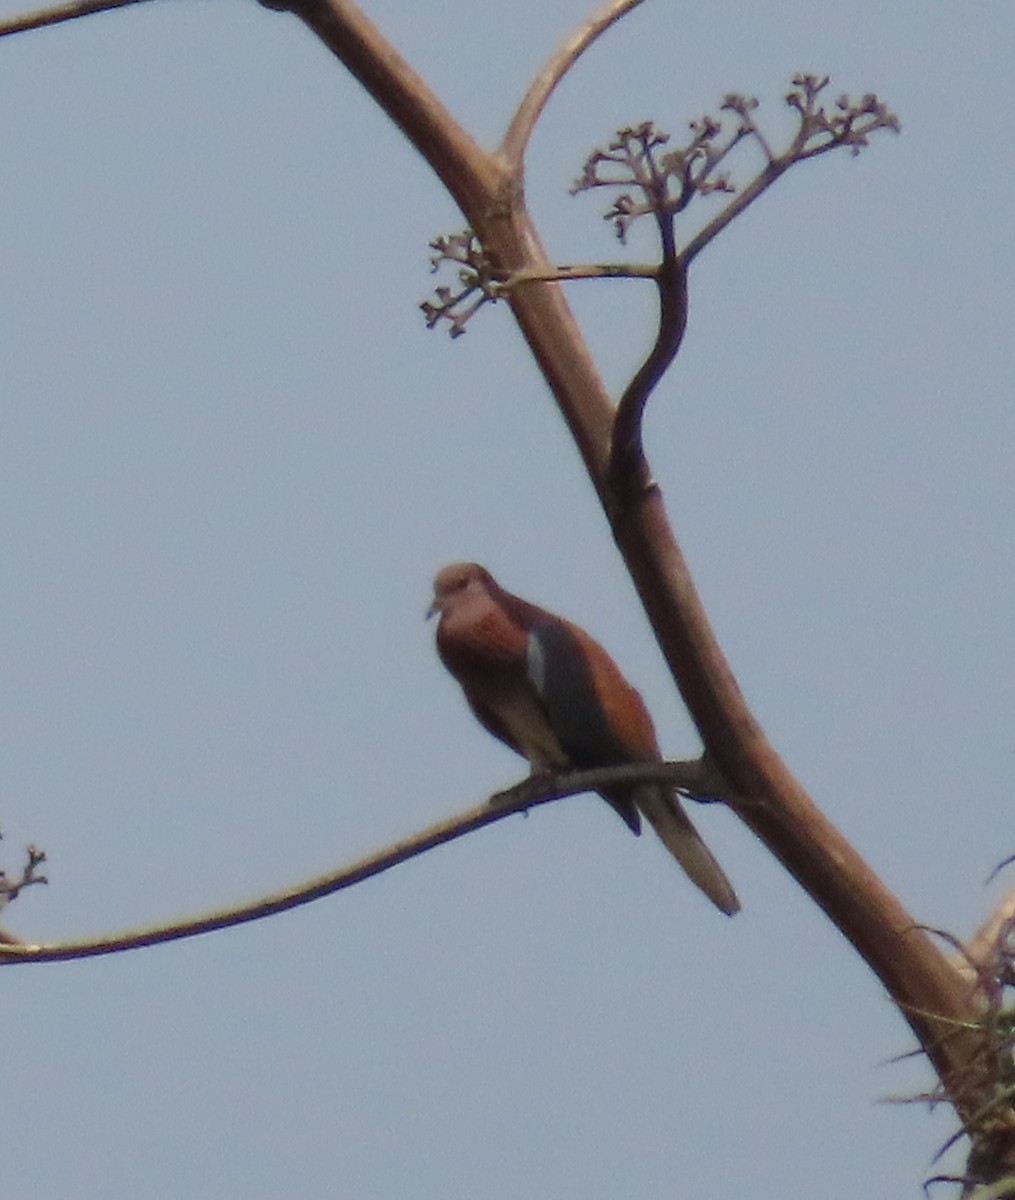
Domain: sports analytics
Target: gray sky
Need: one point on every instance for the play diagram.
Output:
(231, 458)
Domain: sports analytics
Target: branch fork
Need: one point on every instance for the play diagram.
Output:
(928, 988)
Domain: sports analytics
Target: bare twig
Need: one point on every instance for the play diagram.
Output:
(971, 1191)
(663, 183)
(58, 14)
(665, 178)
(994, 1191)
(692, 775)
(553, 71)
(480, 283)
(849, 124)
(628, 470)
(678, 175)
(10, 888)
(921, 980)
(636, 159)
(990, 1125)
(562, 272)
(1005, 862)
(991, 949)
(912, 968)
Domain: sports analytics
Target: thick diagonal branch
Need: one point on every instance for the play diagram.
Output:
(938, 1001)
(926, 986)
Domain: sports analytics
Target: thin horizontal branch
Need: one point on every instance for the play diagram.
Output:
(488, 188)
(528, 794)
(58, 14)
(563, 272)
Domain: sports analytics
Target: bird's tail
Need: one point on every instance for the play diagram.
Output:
(666, 816)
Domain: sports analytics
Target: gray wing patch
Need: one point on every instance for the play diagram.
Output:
(558, 672)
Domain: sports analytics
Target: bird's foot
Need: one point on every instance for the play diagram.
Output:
(532, 787)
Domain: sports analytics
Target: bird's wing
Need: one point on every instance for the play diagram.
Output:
(563, 674)
(562, 678)
(601, 720)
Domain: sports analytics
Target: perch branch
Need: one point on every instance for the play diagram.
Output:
(922, 981)
(693, 776)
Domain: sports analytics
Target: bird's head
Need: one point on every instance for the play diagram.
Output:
(456, 581)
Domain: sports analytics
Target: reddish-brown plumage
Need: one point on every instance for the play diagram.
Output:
(625, 711)
(552, 693)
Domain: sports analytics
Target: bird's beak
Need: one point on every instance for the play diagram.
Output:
(434, 609)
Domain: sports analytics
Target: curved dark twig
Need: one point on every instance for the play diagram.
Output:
(627, 469)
